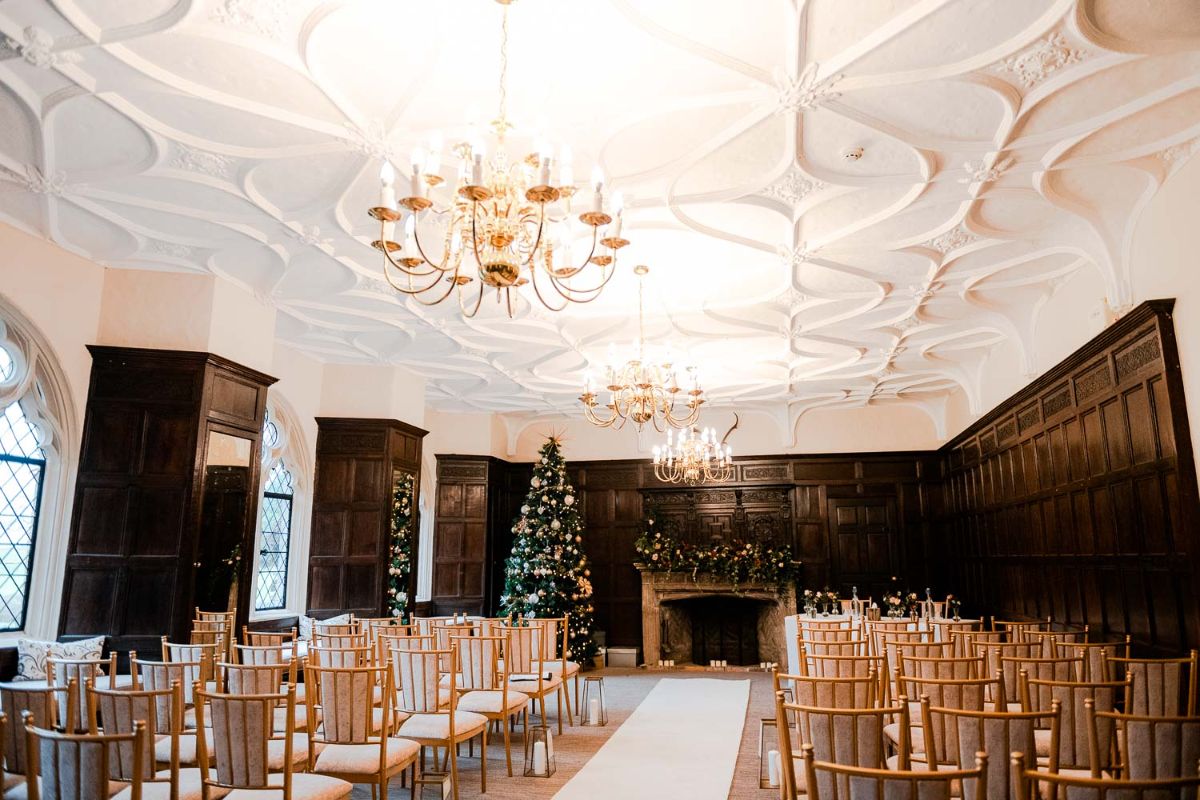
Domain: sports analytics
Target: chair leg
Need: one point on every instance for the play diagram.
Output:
(558, 707)
(542, 703)
(412, 789)
(507, 746)
(483, 762)
(570, 711)
(453, 756)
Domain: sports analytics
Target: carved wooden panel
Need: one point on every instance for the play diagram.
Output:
(1089, 513)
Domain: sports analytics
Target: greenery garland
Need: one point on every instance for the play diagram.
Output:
(400, 549)
(736, 562)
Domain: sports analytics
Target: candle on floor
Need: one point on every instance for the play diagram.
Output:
(549, 744)
(594, 710)
(539, 758)
(773, 768)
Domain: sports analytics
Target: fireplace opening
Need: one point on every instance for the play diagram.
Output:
(704, 629)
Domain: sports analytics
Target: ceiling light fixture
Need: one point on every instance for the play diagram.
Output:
(505, 219)
(695, 457)
(641, 390)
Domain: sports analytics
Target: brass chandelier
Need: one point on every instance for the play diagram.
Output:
(497, 223)
(642, 390)
(695, 457)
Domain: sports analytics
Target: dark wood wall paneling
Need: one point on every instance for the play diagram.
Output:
(352, 512)
(1076, 497)
(130, 565)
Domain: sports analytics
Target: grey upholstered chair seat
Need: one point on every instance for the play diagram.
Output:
(437, 726)
(363, 759)
(305, 786)
(490, 701)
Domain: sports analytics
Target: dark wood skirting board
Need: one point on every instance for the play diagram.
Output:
(1076, 497)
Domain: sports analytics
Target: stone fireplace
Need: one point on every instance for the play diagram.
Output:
(691, 621)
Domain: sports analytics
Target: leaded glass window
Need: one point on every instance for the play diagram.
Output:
(22, 468)
(276, 539)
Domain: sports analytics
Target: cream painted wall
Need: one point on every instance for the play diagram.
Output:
(352, 390)
(241, 328)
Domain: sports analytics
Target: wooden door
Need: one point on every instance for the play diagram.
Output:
(460, 534)
(864, 544)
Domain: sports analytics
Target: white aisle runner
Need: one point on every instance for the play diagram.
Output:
(681, 742)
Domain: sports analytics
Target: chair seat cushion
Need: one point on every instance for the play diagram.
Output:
(557, 668)
(301, 718)
(492, 701)
(189, 787)
(275, 751)
(529, 683)
(187, 748)
(916, 736)
(437, 726)
(305, 786)
(363, 759)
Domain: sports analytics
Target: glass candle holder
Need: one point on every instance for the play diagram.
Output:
(592, 712)
(539, 751)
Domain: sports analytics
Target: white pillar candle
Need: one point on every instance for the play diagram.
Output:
(539, 758)
(544, 175)
(594, 710)
(597, 189)
(773, 768)
(417, 161)
(387, 192)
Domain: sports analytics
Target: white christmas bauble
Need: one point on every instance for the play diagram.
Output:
(544, 498)
(532, 599)
(544, 460)
(569, 500)
(524, 509)
(541, 592)
(536, 482)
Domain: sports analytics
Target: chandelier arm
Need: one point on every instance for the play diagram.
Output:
(443, 266)
(537, 239)
(474, 233)
(402, 267)
(478, 300)
(600, 422)
(410, 291)
(593, 291)
(451, 285)
(537, 290)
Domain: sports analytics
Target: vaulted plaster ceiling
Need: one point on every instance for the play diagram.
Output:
(1005, 145)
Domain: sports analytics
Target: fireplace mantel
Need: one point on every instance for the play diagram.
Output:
(666, 587)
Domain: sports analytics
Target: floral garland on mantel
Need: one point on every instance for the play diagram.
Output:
(736, 562)
(400, 548)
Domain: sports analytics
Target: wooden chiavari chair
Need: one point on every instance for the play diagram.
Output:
(967, 695)
(878, 630)
(65, 672)
(995, 651)
(248, 755)
(84, 766)
(895, 644)
(161, 712)
(853, 736)
(214, 632)
(323, 656)
(157, 676)
(433, 717)
(1094, 654)
(1037, 783)
(835, 692)
(855, 783)
(224, 620)
(262, 679)
(354, 626)
(485, 688)
(353, 742)
(965, 641)
(340, 641)
(206, 653)
(36, 703)
(845, 667)
(557, 642)
(853, 647)
(269, 638)
(1162, 687)
(1058, 634)
(1150, 747)
(971, 732)
(527, 670)
(1075, 745)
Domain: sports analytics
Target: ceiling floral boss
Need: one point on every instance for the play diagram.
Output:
(503, 221)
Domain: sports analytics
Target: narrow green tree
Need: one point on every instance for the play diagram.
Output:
(547, 574)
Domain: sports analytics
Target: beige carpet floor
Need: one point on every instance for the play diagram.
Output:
(624, 690)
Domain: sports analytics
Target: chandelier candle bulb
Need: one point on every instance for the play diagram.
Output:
(597, 190)
(387, 192)
(417, 160)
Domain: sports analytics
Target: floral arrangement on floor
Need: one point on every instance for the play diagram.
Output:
(825, 601)
(400, 548)
(737, 562)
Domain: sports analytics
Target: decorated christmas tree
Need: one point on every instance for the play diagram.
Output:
(547, 574)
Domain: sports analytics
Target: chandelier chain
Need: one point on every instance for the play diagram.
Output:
(501, 123)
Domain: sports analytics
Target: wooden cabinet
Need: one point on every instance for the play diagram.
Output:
(478, 499)
(154, 424)
(360, 462)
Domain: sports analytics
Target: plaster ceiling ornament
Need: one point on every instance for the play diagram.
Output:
(504, 215)
(643, 389)
(173, 249)
(309, 236)
(212, 123)
(1036, 63)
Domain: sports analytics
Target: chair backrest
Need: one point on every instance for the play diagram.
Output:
(479, 662)
(242, 729)
(161, 713)
(878, 630)
(346, 696)
(1050, 639)
(157, 675)
(522, 655)
(269, 638)
(215, 632)
(852, 692)
(251, 678)
(207, 653)
(350, 628)
(994, 651)
(944, 630)
(18, 702)
(836, 781)
(324, 656)
(341, 641)
(944, 668)
(1094, 655)
(385, 643)
(64, 671)
(1019, 630)
(969, 695)
(554, 638)
(1015, 669)
(1162, 687)
(1037, 783)
(1153, 747)
(852, 736)
(80, 766)
(850, 647)
(830, 635)
(998, 732)
(418, 673)
(1075, 733)
(825, 666)
(805, 624)
(259, 655)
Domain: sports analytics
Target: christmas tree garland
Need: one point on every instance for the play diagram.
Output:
(735, 562)
(400, 548)
(547, 574)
